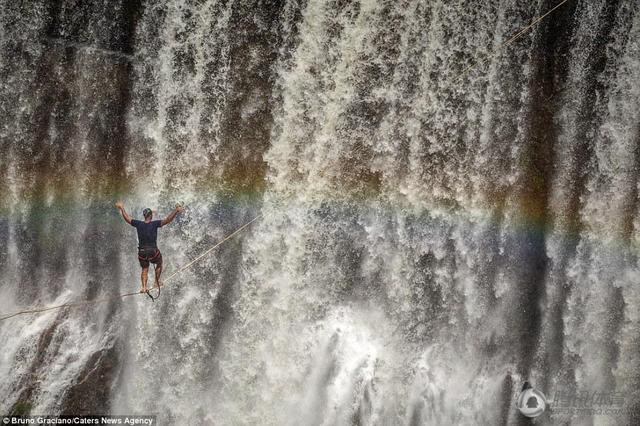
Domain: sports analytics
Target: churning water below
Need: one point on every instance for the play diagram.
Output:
(429, 240)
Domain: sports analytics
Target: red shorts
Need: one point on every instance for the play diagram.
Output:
(148, 255)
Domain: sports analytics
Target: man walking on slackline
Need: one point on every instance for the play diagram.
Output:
(147, 246)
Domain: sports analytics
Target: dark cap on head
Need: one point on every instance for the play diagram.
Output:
(146, 212)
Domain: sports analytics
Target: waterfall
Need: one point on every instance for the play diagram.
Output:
(429, 238)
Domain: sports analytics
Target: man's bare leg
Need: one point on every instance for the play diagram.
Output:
(158, 272)
(143, 276)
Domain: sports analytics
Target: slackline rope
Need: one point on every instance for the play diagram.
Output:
(512, 39)
(122, 296)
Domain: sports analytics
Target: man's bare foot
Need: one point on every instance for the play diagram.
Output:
(157, 284)
(144, 290)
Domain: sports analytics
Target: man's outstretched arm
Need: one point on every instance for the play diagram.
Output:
(167, 220)
(125, 215)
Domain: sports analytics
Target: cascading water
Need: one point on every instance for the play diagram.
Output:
(429, 239)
